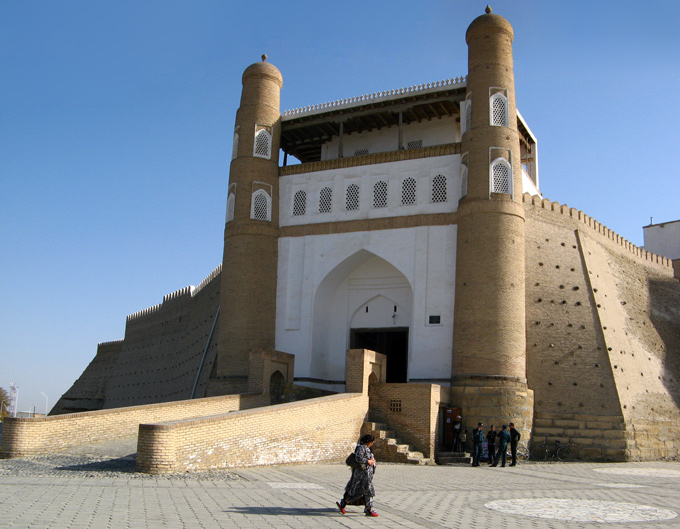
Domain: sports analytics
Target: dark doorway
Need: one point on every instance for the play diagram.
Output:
(392, 342)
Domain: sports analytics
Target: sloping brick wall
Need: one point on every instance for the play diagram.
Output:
(321, 429)
(34, 436)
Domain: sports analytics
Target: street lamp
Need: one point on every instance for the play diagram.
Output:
(15, 398)
(43, 394)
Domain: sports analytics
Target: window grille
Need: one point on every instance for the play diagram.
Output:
(263, 144)
(408, 191)
(325, 200)
(380, 194)
(395, 405)
(352, 197)
(360, 152)
(501, 177)
(231, 201)
(439, 188)
(300, 203)
(417, 144)
(463, 180)
(234, 149)
(468, 114)
(261, 205)
(499, 110)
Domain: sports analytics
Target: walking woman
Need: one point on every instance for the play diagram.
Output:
(359, 489)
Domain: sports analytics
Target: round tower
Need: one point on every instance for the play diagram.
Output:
(489, 345)
(249, 267)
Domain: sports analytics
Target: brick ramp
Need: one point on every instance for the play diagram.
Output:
(320, 429)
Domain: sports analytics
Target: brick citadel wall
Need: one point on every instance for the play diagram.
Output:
(159, 358)
(603, 337)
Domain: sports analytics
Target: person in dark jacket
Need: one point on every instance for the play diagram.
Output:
(477, 444)
(503, 440)
(457, 430)
(514, 439)
(491, 439)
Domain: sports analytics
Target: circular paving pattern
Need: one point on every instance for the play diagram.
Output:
(650, 472)
(582, 510)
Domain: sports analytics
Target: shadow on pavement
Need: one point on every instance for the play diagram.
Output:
(120, 464)
(285, 511)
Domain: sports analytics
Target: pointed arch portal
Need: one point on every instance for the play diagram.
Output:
(364, 302)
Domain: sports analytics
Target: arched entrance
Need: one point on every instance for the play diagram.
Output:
(364, 302)
(277, 387)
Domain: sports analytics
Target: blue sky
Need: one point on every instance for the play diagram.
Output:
(116, 122)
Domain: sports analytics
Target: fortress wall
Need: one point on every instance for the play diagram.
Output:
(34, 436)
(639, 310)
(603, 337)
(321, 429)
(159, 358)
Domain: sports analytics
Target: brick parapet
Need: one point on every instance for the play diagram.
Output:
(24, 437)
(538, 203)
(321, 429)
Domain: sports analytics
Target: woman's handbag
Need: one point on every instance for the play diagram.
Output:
(351, 461)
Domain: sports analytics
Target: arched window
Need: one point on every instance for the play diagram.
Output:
(262, 147)
(380, 194)
(468, 112)
(261, 205)
(408, 191)
(439, 188)
(499, 110)
(463, 180)
(234, 149)
(300, 203)
(501, 176)
(231, 201)
(352, 197)
(325, 200)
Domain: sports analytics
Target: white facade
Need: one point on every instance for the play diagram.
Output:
(663, 239)
(330, 284)
(354, 278)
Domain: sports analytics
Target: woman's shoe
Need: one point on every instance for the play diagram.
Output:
(342, 509)
(371, 513)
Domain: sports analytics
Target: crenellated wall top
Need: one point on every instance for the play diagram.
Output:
(586, 220)
(186, 291)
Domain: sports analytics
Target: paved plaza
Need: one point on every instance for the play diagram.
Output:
(82, 491)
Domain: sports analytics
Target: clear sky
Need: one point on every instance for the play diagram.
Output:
(116, 125)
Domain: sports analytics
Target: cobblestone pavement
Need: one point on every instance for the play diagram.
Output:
(96, 487)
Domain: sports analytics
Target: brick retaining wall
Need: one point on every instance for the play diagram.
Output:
(321, 429)
(34, 436)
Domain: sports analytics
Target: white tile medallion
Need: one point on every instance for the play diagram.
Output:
(645, 472)
(582, 510)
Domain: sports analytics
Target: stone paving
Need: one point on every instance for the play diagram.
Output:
(85, 489)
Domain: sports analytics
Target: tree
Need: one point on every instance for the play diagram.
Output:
(4, 403)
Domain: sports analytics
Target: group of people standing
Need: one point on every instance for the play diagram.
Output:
(359, 490)
(507, 435)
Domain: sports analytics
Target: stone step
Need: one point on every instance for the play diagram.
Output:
(399, 452)
(452, 458)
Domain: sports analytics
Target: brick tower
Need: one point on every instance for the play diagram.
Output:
(489, 346)
(248, 289)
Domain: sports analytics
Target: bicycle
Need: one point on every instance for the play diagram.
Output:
(561, 451)
(522, 453)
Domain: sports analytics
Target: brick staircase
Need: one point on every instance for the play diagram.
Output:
(453, 458)
(389, 448)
